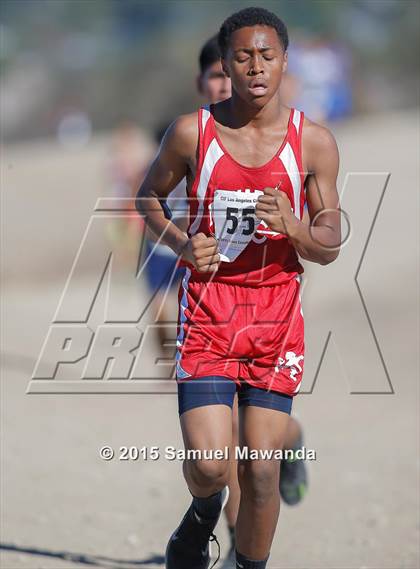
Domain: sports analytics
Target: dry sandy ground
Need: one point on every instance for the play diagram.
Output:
(62, 506)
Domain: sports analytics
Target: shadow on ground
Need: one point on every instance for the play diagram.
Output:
(98, 560)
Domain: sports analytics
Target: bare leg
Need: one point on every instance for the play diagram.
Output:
(259, 508)
(232, 506)
(293, 432)
(207, 427)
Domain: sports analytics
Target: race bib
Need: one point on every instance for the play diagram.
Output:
(235, 223)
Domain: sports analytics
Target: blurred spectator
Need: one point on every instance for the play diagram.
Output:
(318, 79)
(74, 129)
(131, 152)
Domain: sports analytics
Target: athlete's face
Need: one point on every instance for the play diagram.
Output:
(255, 62)
(214, 84)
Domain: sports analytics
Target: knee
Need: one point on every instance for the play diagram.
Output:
(210, 471)
(259, 479)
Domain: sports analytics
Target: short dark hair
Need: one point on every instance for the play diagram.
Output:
(251, 17)
(209, 54)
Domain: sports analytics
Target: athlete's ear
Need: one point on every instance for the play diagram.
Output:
(285, 58)
(199, 84)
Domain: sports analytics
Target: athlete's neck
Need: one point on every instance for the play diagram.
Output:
(240, 113)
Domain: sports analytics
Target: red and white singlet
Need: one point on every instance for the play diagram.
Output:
(244, 321)
(222, 202)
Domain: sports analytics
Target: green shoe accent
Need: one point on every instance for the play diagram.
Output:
(302, 490)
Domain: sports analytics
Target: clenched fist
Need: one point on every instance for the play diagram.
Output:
(202, 252)
(275, 209)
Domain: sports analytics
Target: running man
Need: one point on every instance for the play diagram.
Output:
(250, 163)
(215, 86)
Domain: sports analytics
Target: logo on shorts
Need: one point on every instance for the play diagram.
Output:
(292, 363)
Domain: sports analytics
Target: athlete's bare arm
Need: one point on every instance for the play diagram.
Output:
(175, 160)
(319, 242)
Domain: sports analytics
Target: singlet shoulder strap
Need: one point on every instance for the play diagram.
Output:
(297, 121)
(205, 115)
(203, 120)
(295, 134)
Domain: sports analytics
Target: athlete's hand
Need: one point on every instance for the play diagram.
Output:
(202, 252)
(275, 209)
